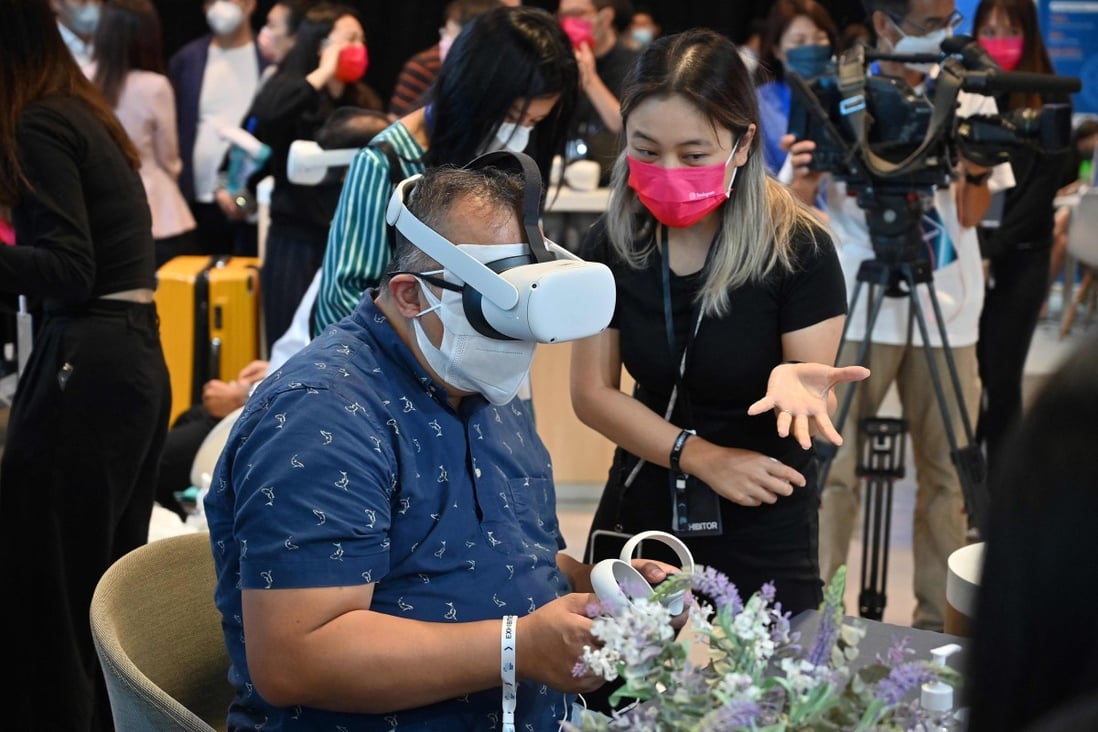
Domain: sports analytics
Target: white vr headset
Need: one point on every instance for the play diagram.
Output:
(548, 296)
(307, 162)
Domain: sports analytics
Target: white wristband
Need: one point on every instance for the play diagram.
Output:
(507, 638)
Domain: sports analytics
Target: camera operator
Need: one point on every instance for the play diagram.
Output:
(911, 27)
(1018, 247)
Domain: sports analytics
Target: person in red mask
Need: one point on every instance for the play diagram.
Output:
(725, 285)
(1017, 247)
(322, 73)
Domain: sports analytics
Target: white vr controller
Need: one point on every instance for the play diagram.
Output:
(617, 583)
(308, 163)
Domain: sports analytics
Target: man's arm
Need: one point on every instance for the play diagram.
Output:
(973, 194)
(325, 648)
(604, 101)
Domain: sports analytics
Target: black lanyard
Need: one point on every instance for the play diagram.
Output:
(669, 325)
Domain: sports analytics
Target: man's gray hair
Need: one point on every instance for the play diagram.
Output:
(431, 200)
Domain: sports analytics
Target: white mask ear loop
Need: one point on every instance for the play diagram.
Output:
(436, 303)
(728, 190)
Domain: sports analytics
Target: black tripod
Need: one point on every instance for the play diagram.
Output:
(899, 265)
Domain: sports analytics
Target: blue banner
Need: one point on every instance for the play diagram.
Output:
(1070, 29)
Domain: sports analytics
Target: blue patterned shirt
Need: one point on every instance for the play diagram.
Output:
(348, 466)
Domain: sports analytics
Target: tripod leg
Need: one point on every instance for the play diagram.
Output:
(882, 465)
(969, 460)
(825, 450)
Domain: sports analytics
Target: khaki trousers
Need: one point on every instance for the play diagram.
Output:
(939, 521)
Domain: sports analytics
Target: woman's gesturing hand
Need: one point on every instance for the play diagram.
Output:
(801, 393)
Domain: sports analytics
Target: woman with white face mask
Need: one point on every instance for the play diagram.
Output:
(722, 280)
(509, 81)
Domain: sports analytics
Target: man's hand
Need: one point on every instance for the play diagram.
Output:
(551, 641)
(801, 394)
(228, 206)
(585, 60)
(253, 372)
(805, 183)
(221, 398)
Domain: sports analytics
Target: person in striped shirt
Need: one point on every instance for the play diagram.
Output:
(509, 81)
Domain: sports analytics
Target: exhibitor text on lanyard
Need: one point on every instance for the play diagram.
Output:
(695, 507)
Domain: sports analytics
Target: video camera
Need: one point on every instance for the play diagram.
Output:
(880, 136)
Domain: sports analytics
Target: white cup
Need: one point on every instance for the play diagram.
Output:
(582, 175)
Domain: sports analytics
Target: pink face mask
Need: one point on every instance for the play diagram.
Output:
(1006, 52)
(353, 60)
(579, 31)
(680, 197)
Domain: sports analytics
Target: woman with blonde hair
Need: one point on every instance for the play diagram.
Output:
(725, 284)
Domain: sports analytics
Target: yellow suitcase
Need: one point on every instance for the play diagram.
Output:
(209, 321)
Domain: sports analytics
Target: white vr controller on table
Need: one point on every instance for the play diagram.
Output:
(617, 582)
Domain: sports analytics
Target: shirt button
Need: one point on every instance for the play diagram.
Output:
(476, 472)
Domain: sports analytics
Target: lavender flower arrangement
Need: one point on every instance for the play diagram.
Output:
(757, 675)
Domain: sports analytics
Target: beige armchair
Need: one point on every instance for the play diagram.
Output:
(158, 636)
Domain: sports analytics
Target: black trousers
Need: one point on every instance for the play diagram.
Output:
(181, 445)
(76, 489)
(1018, 283)
(288, 269)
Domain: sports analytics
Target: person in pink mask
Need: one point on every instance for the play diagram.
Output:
(728, 289)
(595, 27)
(1017, 247)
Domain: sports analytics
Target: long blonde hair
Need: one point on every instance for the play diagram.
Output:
(760, 219)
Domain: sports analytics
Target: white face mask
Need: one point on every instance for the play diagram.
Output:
(224, 17)
(930, 43)
(84, 20)
(466, 359)
(510, 136)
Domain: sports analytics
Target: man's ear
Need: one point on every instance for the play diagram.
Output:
(405, 293)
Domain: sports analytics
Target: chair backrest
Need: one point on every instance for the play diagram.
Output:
(158, 636)
(1083, 228)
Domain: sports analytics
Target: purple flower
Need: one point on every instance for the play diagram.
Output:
(902, 679)
(826, 637)
(897, 653)
(738, 714)
(768, 591)
(716, 585)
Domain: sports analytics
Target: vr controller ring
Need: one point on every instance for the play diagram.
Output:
(617, 583)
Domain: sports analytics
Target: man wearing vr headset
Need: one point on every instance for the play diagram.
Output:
(384, 500)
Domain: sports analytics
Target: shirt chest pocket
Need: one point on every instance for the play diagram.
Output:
(520, 516)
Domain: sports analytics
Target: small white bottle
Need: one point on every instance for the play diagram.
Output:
(937, 696)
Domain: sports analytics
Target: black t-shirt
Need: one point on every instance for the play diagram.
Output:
(727, 370)
(288, 108)
(730, 359)
(1026, 221)
(83, 228)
